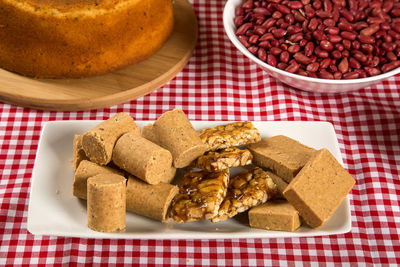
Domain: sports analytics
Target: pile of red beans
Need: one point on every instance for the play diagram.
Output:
(328, 39)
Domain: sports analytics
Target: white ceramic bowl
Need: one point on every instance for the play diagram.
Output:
(295, 80)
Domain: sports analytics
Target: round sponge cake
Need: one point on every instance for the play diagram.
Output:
(80, 38)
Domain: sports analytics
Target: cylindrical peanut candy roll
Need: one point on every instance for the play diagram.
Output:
(175, 133)
(78, 152)
(106, 203)
(85, 170)
(99, 142)
(143, 159)
(152, 201)
(148, 133)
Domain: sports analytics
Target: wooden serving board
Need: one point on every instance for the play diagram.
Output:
(111, 89)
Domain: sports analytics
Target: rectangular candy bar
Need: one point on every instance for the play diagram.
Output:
(319, 188)
(282, 155)
(248, 189)
(200, 196)
(232, 134)
(276, 215)
(224, 159)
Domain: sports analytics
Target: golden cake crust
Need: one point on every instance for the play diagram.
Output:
(80, 38)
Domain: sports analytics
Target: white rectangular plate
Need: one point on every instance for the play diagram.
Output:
(53, 210)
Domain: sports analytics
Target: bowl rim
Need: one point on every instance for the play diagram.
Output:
(228, 18)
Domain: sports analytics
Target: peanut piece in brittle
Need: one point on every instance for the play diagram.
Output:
(232, 134)
(200, 196)
(224, 159)
(248, 189)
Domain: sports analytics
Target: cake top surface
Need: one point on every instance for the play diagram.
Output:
(66, 6)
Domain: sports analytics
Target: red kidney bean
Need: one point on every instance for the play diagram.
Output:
(271, 60)
(332, 30)
(346, 53)
(337, 75)
(350, 75)
(395, 12)
(275, 51)
(343, 66)
(312, 67)
(339, 47)
(298, 16)
(387, 6)
(253, 49)
(289, 18)
(346, 44)
(262, 55)
(301, 58)
(283, 9)
(244, 40)
(309, 11)
(390, 66)
(326, 45)
(239, 11)
(359, 56)
(345, 26)
(295, 5)
(387, 38)
(284, 57)
(388, 47)
(325, 75)
(325, 63)
(277, 15)
(341, 3)
(243, 29)
(317, 4)
(248, 4)
(253, 39)
(323, 14)
(354, 63)
(336, 54)
(321, 53)
(367, 48)
(372, 71)
(294, 49)
(370, 30)
(302, 42)
(278, 33)
(269, 23)
(309, 49)
(347, 14)
(348, 35)
(267, 37)
(319, 35)
(265, 44)
(261, 11)
(281, 65)
(313, 24)
(329, 22)
(294, 67)
(334, 38)
(355, 44)
(366, 39)
(391, 56)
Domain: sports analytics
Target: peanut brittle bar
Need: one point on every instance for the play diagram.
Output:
(200, 196)
(232, 134)
(248, 189)
(224, 159)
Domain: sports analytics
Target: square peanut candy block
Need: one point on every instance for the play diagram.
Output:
(319, 188)
(282, 155)
(277, 215)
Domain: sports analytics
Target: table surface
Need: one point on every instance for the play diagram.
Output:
(220, 84)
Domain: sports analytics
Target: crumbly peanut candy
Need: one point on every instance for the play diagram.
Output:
(232, 134)
(224, 159)
(248, 189)
(200, 196)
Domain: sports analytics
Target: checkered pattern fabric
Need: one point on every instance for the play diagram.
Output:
(220, 84)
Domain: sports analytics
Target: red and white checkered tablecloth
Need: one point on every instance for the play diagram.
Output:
(220, 84)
